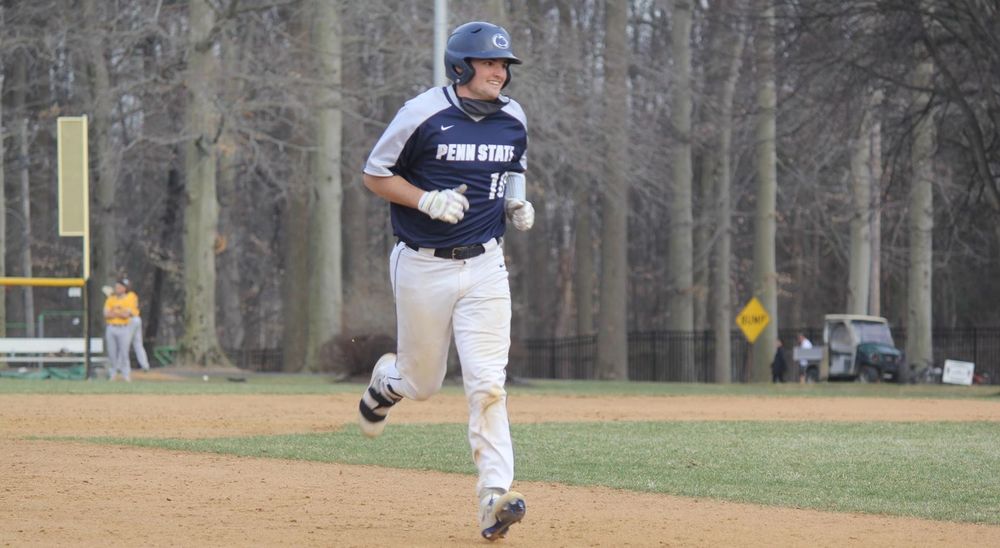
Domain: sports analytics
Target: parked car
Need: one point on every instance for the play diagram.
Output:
(855, 347)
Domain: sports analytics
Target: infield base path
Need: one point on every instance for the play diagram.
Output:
(70, 493)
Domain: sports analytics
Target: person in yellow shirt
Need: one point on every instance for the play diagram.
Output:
(119, 309)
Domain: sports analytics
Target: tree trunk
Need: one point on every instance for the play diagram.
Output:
(583, 259)
(862, 185)
(703, 238)
(722, 315)
(3, 198)
(362, 268)
(612, 335)
(232, 319)
(680, 253)
(23, 166)
(579, 281)
(108, 162)
(326, 282)
(564, 326)
(296, 293)
(228, 260)
(764, 268)
(875, 295)
(919, 350)
(168, 227)
(200, 342)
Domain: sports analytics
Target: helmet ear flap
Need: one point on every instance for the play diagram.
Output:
(459, 70)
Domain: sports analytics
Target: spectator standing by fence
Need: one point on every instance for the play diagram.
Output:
(804, 342)
(778, 366)
(118, 312)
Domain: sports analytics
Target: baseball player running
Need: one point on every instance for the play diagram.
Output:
(451, 164)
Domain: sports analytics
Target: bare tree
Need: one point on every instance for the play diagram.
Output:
(721, 184)
(104, 151)
(876, 171)
(919, 349)
(3, 188)
(764, 268)
(135, 71)
(863, 187)
(200, 343)
(22, 136)
(680, 249)
(680, 253)
(612, 337)
(326, 280)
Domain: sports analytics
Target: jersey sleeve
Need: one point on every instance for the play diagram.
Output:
(515, 111)
(389, 155)
(389, 148)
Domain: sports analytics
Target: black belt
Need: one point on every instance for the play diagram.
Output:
(460, 253)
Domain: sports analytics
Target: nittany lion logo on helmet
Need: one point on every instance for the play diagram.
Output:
(500, 41)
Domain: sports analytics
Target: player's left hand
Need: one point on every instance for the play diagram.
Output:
(521, 213)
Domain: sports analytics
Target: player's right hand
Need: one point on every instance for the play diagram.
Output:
(445, 205)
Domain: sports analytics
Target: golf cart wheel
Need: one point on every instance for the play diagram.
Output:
(868, 374)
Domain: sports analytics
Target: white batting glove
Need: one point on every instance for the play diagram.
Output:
(445, 205)
(520, 213)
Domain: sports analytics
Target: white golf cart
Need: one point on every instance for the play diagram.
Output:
(855, 347)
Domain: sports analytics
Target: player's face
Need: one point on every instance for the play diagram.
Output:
(488, 80)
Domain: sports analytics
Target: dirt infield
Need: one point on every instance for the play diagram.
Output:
(65, 493)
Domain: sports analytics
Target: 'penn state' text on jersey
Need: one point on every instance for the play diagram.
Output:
(435, 145)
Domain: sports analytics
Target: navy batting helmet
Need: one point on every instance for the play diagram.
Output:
(476, 40)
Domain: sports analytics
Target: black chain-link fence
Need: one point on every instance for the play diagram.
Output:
(662, 355)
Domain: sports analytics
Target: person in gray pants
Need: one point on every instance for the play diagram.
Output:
(135, 325)
(119, 309)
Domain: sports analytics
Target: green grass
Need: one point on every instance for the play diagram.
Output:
(324, 384)
(217, 384)
(825, 390)
(942, 471)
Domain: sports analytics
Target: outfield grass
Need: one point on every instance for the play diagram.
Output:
(942, 471)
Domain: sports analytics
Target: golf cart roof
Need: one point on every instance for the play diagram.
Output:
(855, 318)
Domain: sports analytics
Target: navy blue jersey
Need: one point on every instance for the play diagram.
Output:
(435, 145)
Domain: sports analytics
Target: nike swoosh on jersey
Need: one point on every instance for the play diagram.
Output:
(446, 128)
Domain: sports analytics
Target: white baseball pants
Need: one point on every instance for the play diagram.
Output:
(435, 297)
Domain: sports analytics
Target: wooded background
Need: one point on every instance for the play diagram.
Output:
(684, 156)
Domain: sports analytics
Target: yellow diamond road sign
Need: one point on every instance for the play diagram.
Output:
(753, 319)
